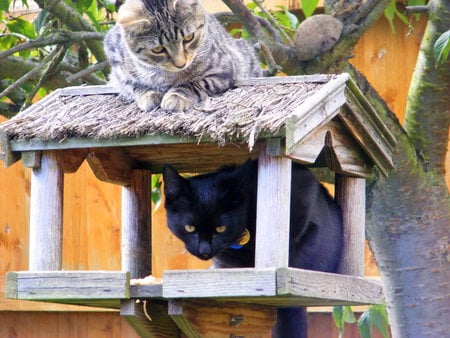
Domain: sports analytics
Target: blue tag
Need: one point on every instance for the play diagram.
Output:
(236, 246)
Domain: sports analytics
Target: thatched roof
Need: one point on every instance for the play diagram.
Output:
(241, 113)
(295, 110)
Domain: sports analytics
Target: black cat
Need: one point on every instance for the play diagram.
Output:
(215, 216)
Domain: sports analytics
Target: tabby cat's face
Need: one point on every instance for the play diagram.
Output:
(165, 33)
(208, 212)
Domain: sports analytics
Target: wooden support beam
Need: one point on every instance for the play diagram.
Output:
(111, 165)
(136, 224)
(207, 318)
(136, 247)
(149, 318)
(46, 210)
(273, 206)
(351, 195)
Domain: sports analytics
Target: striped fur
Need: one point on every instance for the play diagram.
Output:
(171, 53)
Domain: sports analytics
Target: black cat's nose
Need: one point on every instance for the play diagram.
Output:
(204, 250)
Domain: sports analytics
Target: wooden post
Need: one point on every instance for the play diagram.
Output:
(46, 211)
(273, 208)
(136, 224)
(351, 195)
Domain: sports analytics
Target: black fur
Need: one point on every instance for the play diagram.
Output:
(228, 198)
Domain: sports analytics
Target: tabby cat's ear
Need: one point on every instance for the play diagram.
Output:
(174, 183)
(131, 12)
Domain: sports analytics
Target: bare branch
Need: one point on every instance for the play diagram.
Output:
(282, 54)
(60, 37)
(88, 71)
(72, 19)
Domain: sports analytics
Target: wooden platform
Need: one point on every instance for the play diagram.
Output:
(263, 286)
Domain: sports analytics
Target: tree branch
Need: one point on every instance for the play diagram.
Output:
(283, 55)
(74, 21)
(60, 37)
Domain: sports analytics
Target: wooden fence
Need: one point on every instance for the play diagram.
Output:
(91, 238)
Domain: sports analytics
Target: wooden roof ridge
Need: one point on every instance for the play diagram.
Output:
(290, 107)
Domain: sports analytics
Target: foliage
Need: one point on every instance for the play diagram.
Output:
(47, 48)
(374, 317)
(442, 47)
(392, 11)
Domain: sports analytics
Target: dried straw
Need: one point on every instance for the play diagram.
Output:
(240, 114)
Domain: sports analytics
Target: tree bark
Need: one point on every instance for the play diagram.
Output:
(428, 108)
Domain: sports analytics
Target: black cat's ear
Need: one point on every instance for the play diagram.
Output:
(174, 183)
(240, 178)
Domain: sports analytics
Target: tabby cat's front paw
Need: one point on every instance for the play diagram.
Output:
(149, 100)
(174, 101)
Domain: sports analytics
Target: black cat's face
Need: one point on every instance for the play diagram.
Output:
(209, 213)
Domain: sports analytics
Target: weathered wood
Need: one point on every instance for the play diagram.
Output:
(362, 121)
(46, 207)
(111, 165)
(136, 224)
(315, 111)
(149, 318)
(320, 286)
(351, 195)
(285, 79)
(331, 145)
(7, 155)
(71, 160)
(205, 318)
(87, 90)
(272, 211)
(76, 287)
(32, 159)
(271, 286)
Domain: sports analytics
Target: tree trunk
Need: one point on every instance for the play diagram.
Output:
(409, 212)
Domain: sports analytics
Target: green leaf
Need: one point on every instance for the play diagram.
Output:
(41, 19)
(309, 6)
(365, 325)
(4, 5)
(22, 27)
(338, 317)
(389, 13)
(442, 47)
(379, 319)
(291, 17)
(348, 315)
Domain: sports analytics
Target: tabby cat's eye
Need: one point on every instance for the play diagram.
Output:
(188, 38)
(158, 50)
(189, 228)
(220, 229)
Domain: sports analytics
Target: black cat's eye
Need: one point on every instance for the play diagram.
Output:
(189, 228)
(158, 50)
(188, 38)
(220, 229)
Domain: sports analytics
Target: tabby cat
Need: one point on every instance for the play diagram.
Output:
(171, 53)
(215, 216)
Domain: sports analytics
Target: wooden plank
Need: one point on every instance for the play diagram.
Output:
(32, 159)
(321, 78)
(272, 210)
(315, 111)
(87, 90)
(136, 224)
(46, 207)
(351, 195)
(328, 286)
(276, 287)
(206, 318)
(68, 286)
(219, 283)
(363, 122)
(111, 165)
